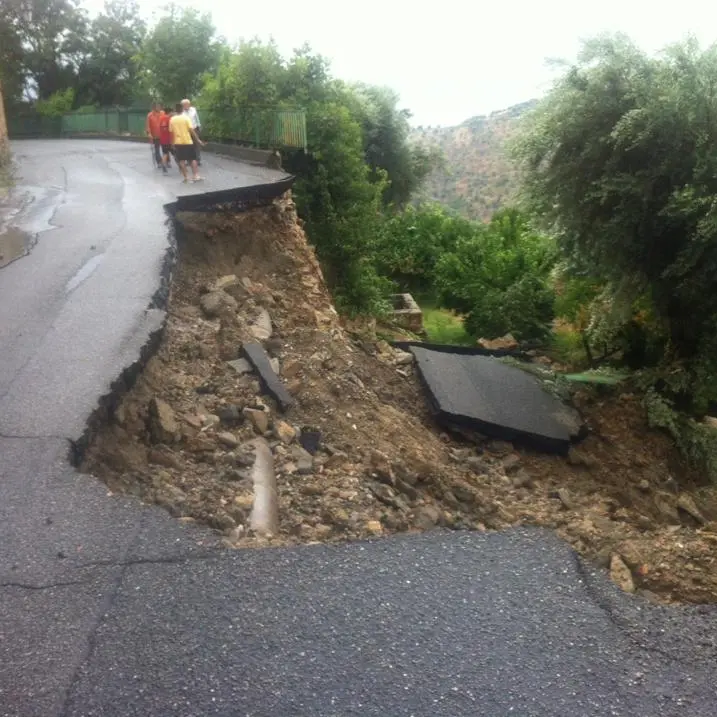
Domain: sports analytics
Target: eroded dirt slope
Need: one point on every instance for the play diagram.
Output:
(181, 436)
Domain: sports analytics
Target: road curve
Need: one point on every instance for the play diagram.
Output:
(111, 608)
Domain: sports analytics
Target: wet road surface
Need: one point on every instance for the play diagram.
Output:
(113, 608)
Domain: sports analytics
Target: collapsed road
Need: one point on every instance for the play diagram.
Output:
(110, 607)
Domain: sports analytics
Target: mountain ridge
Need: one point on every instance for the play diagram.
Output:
(477, 177)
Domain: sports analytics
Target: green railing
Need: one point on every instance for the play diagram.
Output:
(257, 127)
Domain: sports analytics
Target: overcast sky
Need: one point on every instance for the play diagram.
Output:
(455, 58)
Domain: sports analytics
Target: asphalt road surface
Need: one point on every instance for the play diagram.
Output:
(108, 607)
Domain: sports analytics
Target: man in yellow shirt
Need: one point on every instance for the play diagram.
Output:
(183, 139)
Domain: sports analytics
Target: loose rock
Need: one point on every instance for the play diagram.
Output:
(227, 439)
(230, 415)
(427, 517)
(213, 303)
(688, 505)
(303, 459)
(261, 329)
(621, 575)
(258, 418)
(284, 432)
(241, 366)
(163, 426)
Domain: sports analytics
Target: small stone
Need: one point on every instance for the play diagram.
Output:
(244, 500)
(407, 489)
(261, 328)
(273, 346)
(213, 303)
(563, 494)
(163, 457)
(374, 527)
(686, 503)
(511, 462)
(464, 492)
(381, 467)
(225, 282)
(644, 485)
(241, 366)
(321, 530)
(193, 421)
(227, 439)
(163, 426)
(303, 459)
(284, 431)
(427, 517)
(275, 366)
(258, 418)
(230, 415)
(620, 574)
(336, 459)
(522, 479)
(403, 358)
(475, 463)
(578, 457)
(210, 421)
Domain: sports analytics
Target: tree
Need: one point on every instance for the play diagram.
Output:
(179, 51)
(498, 279)
(412, 242)
(109, 73)
(619, 162)
(386, 146)
(43, 42)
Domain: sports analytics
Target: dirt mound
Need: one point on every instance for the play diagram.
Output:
(183, 436)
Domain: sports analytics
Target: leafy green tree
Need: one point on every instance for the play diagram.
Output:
(499, 279)
(42, 43)
(179, 51)
(109, 73)
(619, 162)
(386, 147)
(412, 241)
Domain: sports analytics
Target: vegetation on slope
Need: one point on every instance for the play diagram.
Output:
(477, 176)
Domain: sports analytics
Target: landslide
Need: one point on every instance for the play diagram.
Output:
(181, 437)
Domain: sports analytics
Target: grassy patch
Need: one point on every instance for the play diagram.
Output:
(443, 326)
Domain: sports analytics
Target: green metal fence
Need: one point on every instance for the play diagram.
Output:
(256, 127)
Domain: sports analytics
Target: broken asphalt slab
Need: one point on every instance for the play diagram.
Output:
(114, 608)
(498, 400)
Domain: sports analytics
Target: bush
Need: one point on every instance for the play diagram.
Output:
(412, 241)
(56, 104)
(498, 279)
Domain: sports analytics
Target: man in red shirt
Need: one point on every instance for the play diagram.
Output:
(152, 129)
(165, 137)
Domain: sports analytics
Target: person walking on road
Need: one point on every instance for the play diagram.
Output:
(152, 128)
(191, 112)
(185, 141)
(165, 138)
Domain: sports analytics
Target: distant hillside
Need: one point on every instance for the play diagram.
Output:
(478, 178)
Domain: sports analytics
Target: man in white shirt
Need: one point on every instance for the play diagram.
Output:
(193, 116)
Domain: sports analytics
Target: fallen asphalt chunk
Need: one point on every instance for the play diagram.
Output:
(495, 399)
(271, 383)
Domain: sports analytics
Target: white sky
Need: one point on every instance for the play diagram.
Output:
(456, 58)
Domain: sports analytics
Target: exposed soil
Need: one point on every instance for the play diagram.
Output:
(182, 436)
